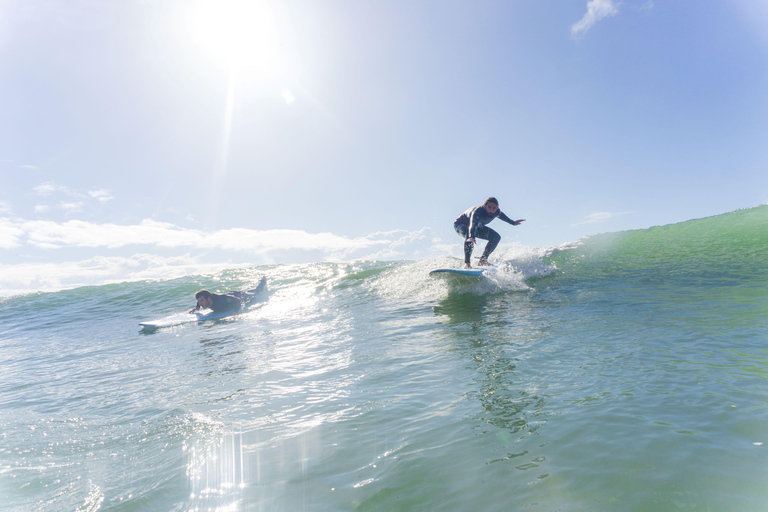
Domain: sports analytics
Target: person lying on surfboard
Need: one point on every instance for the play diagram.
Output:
(472, 224)
(229, 302)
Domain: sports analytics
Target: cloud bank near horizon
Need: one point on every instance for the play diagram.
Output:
(117, 253)
(26, 278)
(51, 235)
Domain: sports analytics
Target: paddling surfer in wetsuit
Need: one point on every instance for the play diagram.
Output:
(218, 303)
(230, 302)
(472, 223)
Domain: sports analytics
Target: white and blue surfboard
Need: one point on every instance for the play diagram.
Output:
(452, 272)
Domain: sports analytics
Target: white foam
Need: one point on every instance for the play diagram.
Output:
(514, 265)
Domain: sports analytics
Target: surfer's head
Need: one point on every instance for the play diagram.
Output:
(491, 205)
(204, 299)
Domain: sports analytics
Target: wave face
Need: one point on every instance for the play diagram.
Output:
(629, 368)
(732, 244)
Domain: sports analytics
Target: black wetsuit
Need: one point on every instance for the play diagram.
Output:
(235, 301)
(472, 223)
(228, 302)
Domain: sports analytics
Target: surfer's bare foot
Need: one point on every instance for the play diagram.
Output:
(467, 266)
(484, 263)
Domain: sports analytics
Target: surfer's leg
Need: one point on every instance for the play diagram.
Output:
(246, 297)
(249, 296)
(468, 246)
(493, 240)
(240, 296)
(463, 231)
(260, 287)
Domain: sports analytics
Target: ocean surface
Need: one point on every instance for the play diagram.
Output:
(624, 372)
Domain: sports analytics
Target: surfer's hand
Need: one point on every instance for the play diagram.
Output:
(193, 310)
(472, 239)
(517, 222)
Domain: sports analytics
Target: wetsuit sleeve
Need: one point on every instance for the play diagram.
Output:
(505, 218)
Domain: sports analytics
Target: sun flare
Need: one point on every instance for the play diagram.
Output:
(239, 32)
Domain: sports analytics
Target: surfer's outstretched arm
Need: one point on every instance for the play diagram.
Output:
(506, 219)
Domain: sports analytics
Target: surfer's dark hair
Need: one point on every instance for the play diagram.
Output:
(491, 200)
(203, 293)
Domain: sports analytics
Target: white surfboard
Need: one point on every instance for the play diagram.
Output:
(183, 318)
(473, 272)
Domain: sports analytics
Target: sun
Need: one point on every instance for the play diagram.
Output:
(240, 33)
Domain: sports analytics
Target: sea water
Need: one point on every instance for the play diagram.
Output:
(628, 371)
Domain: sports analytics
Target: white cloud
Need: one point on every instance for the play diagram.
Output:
(288, 96)
(41, 208)
(647, 7)
(598, 217)
(5, 207)
(102, 194)
(50, 187)
(30, 167)
(45, 189)
(596, 11)
(71, 207)
(10, 234)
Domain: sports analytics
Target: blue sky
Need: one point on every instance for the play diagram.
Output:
(182, 135)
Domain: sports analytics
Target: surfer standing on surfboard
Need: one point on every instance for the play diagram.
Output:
(472, 223)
